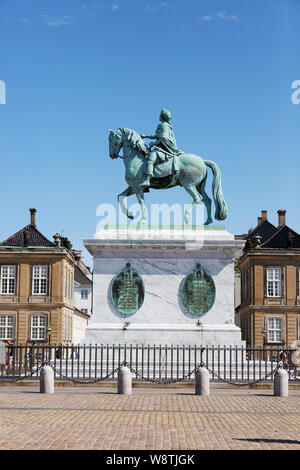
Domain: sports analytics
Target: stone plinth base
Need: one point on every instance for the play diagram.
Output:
(163, 258)
(143, 334)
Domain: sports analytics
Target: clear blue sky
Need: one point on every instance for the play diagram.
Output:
(73, 69)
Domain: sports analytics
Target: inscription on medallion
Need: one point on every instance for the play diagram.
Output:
(127, 291)
(198, 291)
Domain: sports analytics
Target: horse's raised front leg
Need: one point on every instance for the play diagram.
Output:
(121, 197)
(197, 198)
(144, 212)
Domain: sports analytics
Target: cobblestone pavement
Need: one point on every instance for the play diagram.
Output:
(95, 418)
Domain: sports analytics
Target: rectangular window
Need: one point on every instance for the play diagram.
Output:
(8, 280)
(274, 330)
(69, 329)
(274, 282)
(65, 327)
(84, 293)
(38, 327)
(72, 286)
(66, 282)
(6, 327)
(40, 280)
(84, 310)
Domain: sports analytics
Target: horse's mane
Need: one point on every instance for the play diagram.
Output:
(135, 140)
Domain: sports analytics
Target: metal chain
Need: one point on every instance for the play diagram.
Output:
(18, 379)
(244, 383)
(124, 363)
(79, 381)
(146, 379)
(141, 377)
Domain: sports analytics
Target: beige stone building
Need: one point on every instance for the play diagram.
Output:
(37, 288)
(269, 271)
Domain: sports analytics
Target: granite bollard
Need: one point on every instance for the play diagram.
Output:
(124, 381)
(281, 383)
(47, 380)
(202, 381)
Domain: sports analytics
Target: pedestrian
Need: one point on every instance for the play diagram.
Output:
(58, 353)
(283, 359)
(10, 354)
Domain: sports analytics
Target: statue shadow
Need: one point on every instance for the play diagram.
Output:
(268, 441)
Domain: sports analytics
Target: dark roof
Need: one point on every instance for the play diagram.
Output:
(266, 235)
(81, 277)
(284, 238)
(265, 229)
(28, 236)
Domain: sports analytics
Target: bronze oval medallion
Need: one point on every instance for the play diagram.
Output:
(198, 291)
(127, 291)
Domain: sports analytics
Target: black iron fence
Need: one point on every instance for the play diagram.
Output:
(151, 363)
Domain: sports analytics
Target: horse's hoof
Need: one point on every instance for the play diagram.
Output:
(130, 216)
(208, 222)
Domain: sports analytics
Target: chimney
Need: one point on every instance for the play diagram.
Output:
(32, 217)
(281, 217)
(259, 220)
(264, 215)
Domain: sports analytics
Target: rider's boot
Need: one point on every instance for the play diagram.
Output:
(146, 181)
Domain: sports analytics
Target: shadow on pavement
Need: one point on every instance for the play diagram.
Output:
(277, 441)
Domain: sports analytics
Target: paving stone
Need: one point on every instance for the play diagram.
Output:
(148, 419)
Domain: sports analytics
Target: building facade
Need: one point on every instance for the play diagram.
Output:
(269, 275)
(37, 288)
(82, 298)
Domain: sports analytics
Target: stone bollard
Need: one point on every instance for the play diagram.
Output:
(281, 383)
(202, 381)
(124, 381)
(47, 380)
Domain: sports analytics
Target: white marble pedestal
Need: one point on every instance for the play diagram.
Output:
(163, 258)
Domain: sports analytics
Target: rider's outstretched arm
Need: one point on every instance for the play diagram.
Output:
(148, 136)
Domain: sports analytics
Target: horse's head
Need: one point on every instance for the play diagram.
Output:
(115, 143)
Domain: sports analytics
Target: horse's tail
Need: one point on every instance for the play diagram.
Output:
(221, 206)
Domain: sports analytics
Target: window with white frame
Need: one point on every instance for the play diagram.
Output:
(274, 282)
(274, 329)
(6, 327)
(84, 310)
(40, 280)
(8, 280)
(38, 327)
(84, 293)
